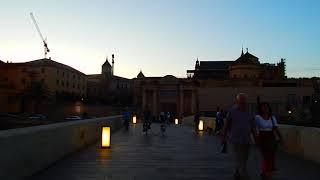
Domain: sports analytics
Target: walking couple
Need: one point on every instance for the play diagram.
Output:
(240, 125)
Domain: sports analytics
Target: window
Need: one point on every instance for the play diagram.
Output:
(57, 72)
(73, 85)
(62, 83)
(245, 76)
(306, 100)
(78, 86)
(235, 76)
(62, 74)
(42, 80)
(291, 99)
(74, 76)
(42, 70)
(57, 81)
(67, 84)
(168, 93)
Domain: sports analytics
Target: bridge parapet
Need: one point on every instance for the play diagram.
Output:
(302, 141)
(25, 151)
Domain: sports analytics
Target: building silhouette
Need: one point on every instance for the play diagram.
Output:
(247, 66)
(52, 78)
(108, 87)
(165, 94)
(213, 84)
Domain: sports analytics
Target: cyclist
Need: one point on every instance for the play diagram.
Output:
(146, 120)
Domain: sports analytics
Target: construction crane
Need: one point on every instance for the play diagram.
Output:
(45, 44)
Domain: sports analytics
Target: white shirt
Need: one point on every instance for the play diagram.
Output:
(265, 125)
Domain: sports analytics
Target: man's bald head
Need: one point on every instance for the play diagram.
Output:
(241, 100)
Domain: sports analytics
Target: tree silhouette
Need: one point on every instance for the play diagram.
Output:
(36, 93)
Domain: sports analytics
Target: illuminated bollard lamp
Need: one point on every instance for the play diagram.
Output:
(176, 121)
(134, 119)
(106, 137)
(200, 125)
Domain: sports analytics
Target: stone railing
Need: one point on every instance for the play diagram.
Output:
(301, 141)
(26, 151)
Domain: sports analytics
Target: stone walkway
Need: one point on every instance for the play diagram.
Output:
(181, 154)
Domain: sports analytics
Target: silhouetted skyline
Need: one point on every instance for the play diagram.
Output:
(162, 37)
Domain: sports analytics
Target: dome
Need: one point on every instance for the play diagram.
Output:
(246, 59)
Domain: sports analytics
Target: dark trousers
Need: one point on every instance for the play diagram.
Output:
(241, 154)
(268, 150)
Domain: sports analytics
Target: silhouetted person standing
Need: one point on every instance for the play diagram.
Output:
(126, 118)
(146, 119)
(222, 116)
(218, 121)
(196, 121)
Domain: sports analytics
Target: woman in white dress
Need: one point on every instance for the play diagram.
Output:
(267, 128)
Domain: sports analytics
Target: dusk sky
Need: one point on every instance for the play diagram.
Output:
(162, 36)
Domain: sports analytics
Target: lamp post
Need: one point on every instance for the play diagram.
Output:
(176, 121)
(106, 137)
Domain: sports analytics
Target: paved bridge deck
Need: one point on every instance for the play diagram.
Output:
(180, 155)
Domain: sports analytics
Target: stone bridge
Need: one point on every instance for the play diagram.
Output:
(180, 154)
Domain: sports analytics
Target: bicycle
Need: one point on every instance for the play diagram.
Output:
(146, 127)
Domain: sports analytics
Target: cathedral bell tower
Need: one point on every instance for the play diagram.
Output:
(112, 68)
(107, 69)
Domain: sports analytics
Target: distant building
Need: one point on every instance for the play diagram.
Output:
(215, 84)
(108, 87)
(55, 79)
(165, 94)
(247, 66)
(220, 81)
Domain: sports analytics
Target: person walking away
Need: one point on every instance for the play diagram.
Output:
(222, 116)
(126, 118)
(196, 121)
(218, 119)
(162, 123)
(168, 117)
(162, 117)
(267, 132)
(146, 119)
(239, 126)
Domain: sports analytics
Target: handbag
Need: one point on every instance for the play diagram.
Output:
(276, 140)
(223, 148)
